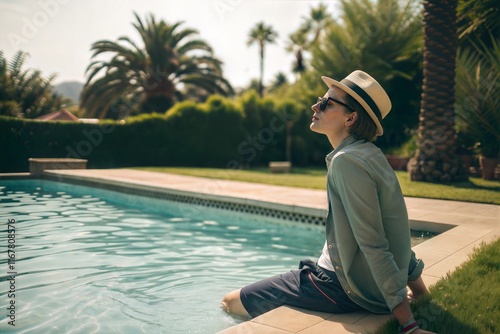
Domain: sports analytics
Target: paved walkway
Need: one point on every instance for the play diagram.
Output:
(463, 226)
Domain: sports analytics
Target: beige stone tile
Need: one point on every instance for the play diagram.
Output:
(451, 262)
(429, 258)
(356, 322)
(445, 244)
(490, 237)
(485, 222)
(349, 318)
(329, 326)
(372, 322)
(478, 209)
(486, 239)
(251, 327)
(291, 319)
(472, 232)
(432, 249)
(441, 206)
(446, 218)
(415, 203)
(469, 249)
(415, 214)
(493, 212)
(470, 220)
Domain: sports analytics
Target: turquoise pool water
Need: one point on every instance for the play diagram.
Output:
(95, 261)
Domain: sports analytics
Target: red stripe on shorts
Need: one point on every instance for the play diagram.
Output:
(324, 294)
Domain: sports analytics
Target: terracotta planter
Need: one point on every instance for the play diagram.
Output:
(488, 166)
(397, 162)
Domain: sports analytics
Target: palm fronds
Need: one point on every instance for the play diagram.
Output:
(25, 92)
(151, 76)
(478, 95)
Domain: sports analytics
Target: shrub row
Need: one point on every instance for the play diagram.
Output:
(218, 133)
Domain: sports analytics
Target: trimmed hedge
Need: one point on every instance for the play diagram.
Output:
(217, 133)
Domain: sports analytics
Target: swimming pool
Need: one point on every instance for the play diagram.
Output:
(88, 263)
(92, 260)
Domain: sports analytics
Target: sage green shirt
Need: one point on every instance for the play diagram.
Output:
(367, 227)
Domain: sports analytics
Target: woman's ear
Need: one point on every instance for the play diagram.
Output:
(352, 117)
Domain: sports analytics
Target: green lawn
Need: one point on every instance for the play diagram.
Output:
(475, 190)
(466, 301)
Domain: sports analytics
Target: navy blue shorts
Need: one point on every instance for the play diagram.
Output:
(310, 287)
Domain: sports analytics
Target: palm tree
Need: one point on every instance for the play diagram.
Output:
(318, 20)
(307, 35)
(280, 79)
(262, 34)
(151, 77)
(297, 44)
(436, 159)
(25, 92)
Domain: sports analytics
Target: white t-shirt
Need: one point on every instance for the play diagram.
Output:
(324, 260)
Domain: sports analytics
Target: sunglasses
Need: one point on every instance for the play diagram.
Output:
(323, 103)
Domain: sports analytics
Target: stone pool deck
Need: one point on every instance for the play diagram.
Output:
(463, 227)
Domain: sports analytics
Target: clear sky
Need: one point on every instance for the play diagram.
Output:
(58, 33)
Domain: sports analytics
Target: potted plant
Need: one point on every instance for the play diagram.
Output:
(478, 102)
(488, 160)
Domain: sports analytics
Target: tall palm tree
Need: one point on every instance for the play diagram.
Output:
(262, 34)
(151, 77)
(307, 35)
(297, 44)
(436, 159)
(25, 92)
(318, 20)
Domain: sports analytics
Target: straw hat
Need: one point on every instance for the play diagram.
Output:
(368, 92)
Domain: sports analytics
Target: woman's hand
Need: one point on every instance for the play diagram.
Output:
(418, 288)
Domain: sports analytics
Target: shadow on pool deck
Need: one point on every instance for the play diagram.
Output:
(464, 226)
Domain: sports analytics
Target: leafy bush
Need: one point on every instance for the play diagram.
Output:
(221, 132)
(265, 121)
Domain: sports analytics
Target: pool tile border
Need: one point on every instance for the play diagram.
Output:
(262, 208)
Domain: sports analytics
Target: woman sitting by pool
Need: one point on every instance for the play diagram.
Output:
(367, 261)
